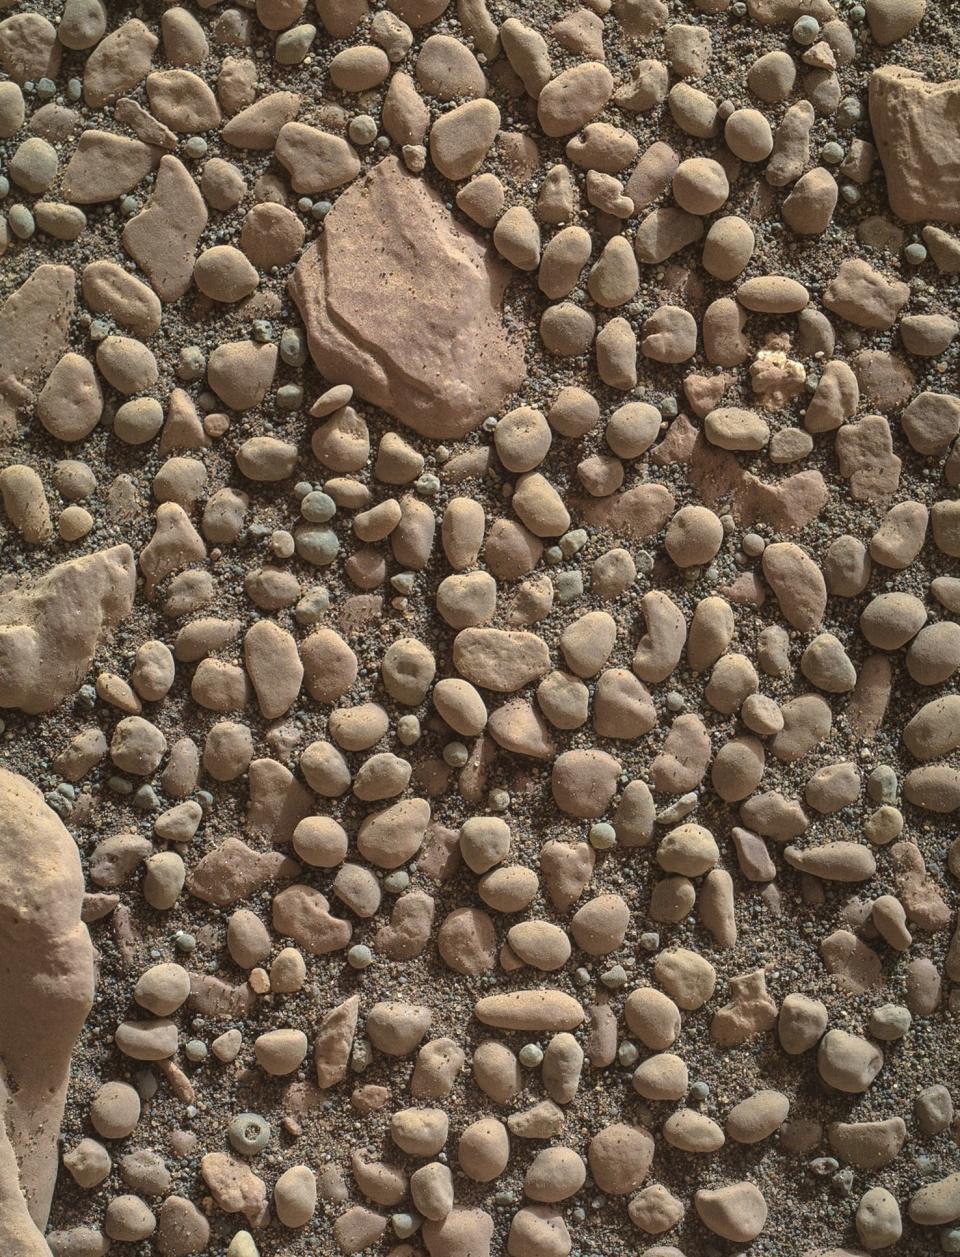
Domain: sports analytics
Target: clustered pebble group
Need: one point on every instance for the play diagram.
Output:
(479, 483)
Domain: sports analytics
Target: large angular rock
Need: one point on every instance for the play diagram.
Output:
(916, 128)
(34, 325)
(404, 304)
(46, 990)
(50, 629)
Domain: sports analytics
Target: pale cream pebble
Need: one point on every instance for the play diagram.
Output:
(797, 583)
(482, 199)
(527, 52)
(661, 1077)
(728, 247)
(934, 654)
(827, 665)
(689, 849)
(693, 537)
(734, 428)
(748, 135)
(737, 1212)
(240, 372)
(690, 1131)
(602, 147)
(129, 1219)
(607, 194)
(557, 196)
(182, 101)
(688, 977)
(408, 668)
(600, 925)
(153, 671)
(461, 139)
(420, 1132)
(738, 768)
(357, 728)
(522, 439)
(848, 1062)
(316, 160)
(693, 111)
(700, 185)
(573, 99)
(791, 145)
(669, 335)
(25, 502)
(614, 277)
(619, 1157)
(808, 210)
(397, 462)
(617, 355)
(555, 1174)
(391, 837)
(660, 648)
(447, 70)
(646, 88)
(517, 238)
(531, 1010)
(342, 442)
(653, 1017)
(567, 329)
(359, 68)
(539, 943)
(891, 620)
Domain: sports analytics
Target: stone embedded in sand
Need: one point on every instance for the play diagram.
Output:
(163, 237)
(46, 990)
(917, 132)
(34, 323)
(50, 629)
(404, 304)
(233, 872)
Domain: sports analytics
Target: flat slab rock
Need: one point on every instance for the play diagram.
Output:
(405, 305)
(916, 128)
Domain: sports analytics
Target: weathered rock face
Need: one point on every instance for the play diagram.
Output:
(916, 127)
(404, 304)
(50, 629)
(46, 990)
(33, 333)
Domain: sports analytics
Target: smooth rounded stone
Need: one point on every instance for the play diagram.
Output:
(115, 1110)
(484, 842)
(655, 1210)
(600, 926)
(936, 1203)
(483, 1150)
(933, 1109)
(431, 1187)
(420, 1132)
(540, 1231)
(619, 1157)
(757, 1117)
(70, 402)
(564, 700)
(137, 746)
(693, 536)
(622, 706)
(806, 722)
(588, 641)
(460, 705)
(522, 439)
(733, 428)
(878, 1219)
(669, 335)
(182, 1230)
(934, 654)
(510, 888)
(846, 567)
(653, 1017)
(737, 768)
(737, 1212)
(832, 787)
(127, 365)
(461, 139)
(889, 1022)
(690, 1131)
(88, 1163)
(129, 1219)
(530, 1010)
(555, 1174)
(583, 783)
(931, 422)
(574, 98)
(664, 232)
(801, 1023)
(539, 943)
(700, 185)
(223, 273)
(935, 788)
(395, 1027)
(467, 600)
(839, 861)
(567, 330)
(496, 1070)
(772, 76)
(761, 715)
(848, 1062)
(797, 583)
(280, 1052)
(688, 978)
(891, 620)
(162, 988)
(727, 247)
(934, 731)
(661, 1077)
(690, 850)
(731, 683)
